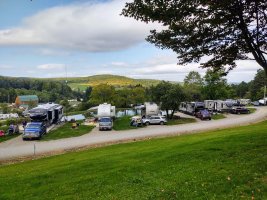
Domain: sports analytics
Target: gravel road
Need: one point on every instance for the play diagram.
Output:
(16, 148)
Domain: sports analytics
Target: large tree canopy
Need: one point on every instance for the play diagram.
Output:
(223, 30)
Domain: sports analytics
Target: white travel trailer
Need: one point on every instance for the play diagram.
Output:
(106, 110)
(210, 105)
(150, 108)
(244, 101)
(223, 106)
(191, 107)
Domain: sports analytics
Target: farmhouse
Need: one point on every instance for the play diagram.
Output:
(26, 101)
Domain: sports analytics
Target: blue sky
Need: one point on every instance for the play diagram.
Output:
(86, 37)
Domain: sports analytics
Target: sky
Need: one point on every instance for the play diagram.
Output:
(58, 38)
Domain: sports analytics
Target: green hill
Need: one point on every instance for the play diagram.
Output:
(115, 80)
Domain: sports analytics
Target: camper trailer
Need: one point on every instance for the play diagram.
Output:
(210, 105)
(106, 110)
(224, 106)
(191, 107)
(244, 101)
(49, 113)
(149, 109)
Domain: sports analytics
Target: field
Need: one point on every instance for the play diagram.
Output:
(218, 116)
(225, 164)
(66, 131)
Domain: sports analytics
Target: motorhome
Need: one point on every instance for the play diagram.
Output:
(49, 113)
(150, 108)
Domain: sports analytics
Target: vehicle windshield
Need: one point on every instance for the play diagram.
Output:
(105, 120)
(205, 112)
(33, 126)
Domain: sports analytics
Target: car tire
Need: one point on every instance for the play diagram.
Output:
(147, 123)
(238, 113)
(161, 123)
(210, 118)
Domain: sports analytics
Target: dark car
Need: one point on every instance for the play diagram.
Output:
(240, 110)
(34, 130)
(203, 114)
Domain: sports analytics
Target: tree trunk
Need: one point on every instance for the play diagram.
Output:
(167, 114)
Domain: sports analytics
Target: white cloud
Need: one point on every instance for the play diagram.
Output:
(51, 67)
(92, 27)
(5, 67)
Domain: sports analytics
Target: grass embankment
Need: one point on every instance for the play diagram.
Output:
(225, 164)
(65, 131)
(123, 123)
(180, 121)
(218, 116)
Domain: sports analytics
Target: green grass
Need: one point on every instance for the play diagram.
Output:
(218, 116)
(7, 137)
(224, 164)
(181, 121)
(123, 123)
(66, 131)
(252, 110)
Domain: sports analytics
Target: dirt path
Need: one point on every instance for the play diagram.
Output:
(17, 148)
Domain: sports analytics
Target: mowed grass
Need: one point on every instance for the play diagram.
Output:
(180, 121)
(224, 164)
(8, 137)
(65, 131)
(218, 116)
(123, 123)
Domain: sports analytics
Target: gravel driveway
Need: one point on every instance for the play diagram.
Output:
(17, 148)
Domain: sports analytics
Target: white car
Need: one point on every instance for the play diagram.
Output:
(154, 120)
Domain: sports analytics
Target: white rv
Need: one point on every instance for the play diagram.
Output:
(223, 106)
(149, 109)
(210, 105)
(106, 110)
(191, 107)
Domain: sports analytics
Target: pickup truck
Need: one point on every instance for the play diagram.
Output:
(105, 123)
(34, 130)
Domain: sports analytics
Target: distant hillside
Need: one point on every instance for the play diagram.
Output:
(117, 81)
(83, 82)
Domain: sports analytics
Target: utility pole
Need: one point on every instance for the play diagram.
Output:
(264, 95)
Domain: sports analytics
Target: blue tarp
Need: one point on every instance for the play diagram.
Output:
(75, 117)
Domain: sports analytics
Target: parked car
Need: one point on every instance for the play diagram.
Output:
(34, 130)
(239, 110)
(154, 120)
(105, 123)
(203, 114)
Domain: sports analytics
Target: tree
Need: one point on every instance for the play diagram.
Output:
(102, 93)
(215, 87)
(169, 96)
(193, 84)
(224, 30)
(257, 85)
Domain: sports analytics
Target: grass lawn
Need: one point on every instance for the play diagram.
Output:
(181, 121)
(224, 164)
(123, 123)
(7, 137)
(252, 110)
(218, 116)
(66, 131)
